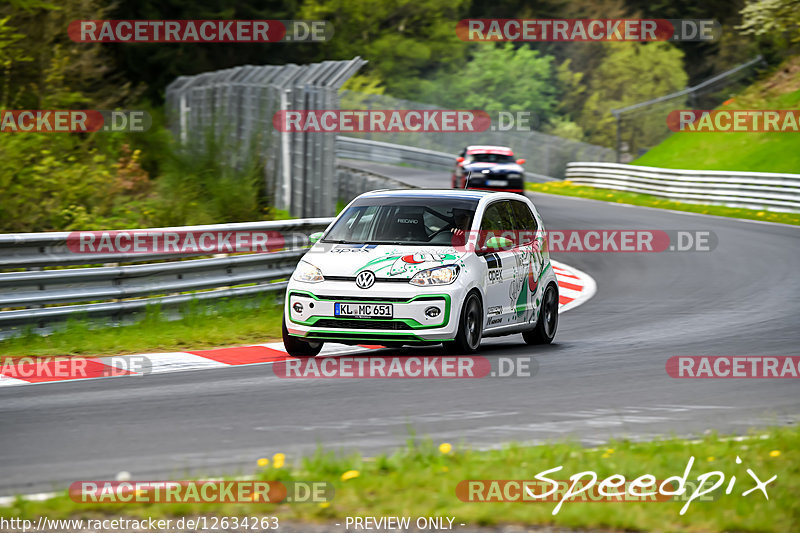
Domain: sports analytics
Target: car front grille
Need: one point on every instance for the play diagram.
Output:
(362, 324)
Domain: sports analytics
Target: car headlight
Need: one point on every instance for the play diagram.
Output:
(308, 273)
(435, 276)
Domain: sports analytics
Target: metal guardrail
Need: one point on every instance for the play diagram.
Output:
(395, 154)
(401, 154)
(354, 181)
(40, 286)
(547, 155)
(36, 297)
(754, 190)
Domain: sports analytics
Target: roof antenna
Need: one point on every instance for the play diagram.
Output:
(466, 185)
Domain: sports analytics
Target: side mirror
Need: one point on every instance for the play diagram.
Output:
(314, 237)
(459, 159)
(520, 161)
(497, 244)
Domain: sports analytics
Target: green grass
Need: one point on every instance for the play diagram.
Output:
(420, 480)
(566, 188)
(756, 152)
(228, 322)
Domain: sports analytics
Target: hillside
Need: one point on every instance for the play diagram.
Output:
(760, 152)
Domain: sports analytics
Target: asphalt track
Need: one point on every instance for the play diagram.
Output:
(604, 377)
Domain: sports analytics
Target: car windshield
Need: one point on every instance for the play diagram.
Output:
(490, 158)
(406, 221)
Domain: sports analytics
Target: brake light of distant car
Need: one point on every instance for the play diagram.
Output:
(308, 273)
(436, 276)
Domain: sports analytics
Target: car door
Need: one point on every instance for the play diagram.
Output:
(530, 261)
(502, 266)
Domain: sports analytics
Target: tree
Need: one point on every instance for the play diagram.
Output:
(775, 19)
(405, 41)
(499, 78)
(631, 73)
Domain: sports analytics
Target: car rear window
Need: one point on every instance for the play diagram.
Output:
(490, 158)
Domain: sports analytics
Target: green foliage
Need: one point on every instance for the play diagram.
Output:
(364, 84)
(197, 186)
(201, 325)
(49, 181)
(773, 19)
(48, 70)
(420, 480)
(631, 73)
(498, 78)
(566, 188)
(561, 127)
(741, 151)
(405, 40)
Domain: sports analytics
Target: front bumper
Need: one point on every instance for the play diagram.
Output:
(419, 315)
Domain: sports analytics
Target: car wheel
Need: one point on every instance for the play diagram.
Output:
(297, 347)
(547, 324)
(470, 328)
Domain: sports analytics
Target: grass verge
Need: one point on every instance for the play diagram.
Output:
(420, 480)
(566, 188)
(742, 151)
(234, 321)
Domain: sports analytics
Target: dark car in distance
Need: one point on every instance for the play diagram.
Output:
(489, 168)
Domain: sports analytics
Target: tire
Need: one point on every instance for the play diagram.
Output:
(547, 324)
(297, 347)
(470, 328)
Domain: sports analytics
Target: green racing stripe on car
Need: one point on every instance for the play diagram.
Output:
(414, 324)
(361, 337)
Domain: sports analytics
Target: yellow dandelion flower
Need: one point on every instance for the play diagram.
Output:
(325, 505)
(774, 453)
(263, 462)
(278, 459)
(606, 456)
(710, 458)
(350, 474)
(610, 451)
(445, 447)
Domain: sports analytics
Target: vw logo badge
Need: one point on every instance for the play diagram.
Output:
(365, 279)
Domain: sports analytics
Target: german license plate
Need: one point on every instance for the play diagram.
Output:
(357, 310)
(496, 183)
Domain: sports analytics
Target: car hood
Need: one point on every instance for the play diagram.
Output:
(386, 261)
(495, 168)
